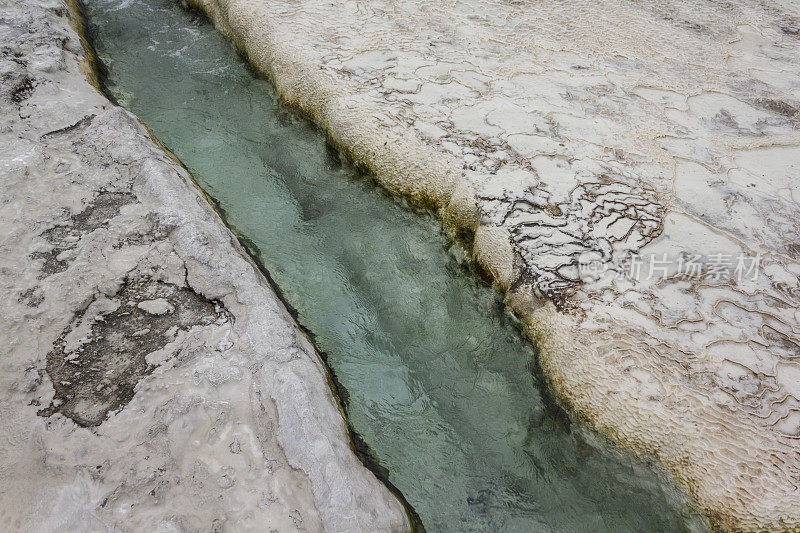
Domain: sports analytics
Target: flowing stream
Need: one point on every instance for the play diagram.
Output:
(440, 383)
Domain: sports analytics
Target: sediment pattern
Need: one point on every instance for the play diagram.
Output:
(630, 173)
(151, 379)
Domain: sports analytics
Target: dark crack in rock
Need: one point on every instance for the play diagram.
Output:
(22, 91)
(100, 375)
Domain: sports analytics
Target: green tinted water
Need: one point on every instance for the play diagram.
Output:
(440, 383)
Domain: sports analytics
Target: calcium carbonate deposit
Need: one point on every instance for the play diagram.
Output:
(630, 173)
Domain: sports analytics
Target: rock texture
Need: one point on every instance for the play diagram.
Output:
(150, 378)
(630, 172)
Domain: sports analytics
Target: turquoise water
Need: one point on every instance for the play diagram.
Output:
(441, 385)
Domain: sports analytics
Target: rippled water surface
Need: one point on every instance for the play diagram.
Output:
(440, 383)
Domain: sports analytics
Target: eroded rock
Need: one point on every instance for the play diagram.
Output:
(65, 237)
(100, 372)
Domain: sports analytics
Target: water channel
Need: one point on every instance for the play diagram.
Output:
(440, 382)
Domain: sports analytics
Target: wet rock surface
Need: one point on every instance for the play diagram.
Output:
(150, 378)
(623, 167)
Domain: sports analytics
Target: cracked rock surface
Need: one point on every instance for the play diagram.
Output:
(580, 143)
(150, 379)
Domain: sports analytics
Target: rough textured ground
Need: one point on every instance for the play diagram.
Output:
(150, 379)
(575, 139)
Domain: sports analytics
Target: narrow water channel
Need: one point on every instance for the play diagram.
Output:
(440, 382)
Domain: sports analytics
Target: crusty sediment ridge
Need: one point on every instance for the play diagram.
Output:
(574, 141)
(151, 379)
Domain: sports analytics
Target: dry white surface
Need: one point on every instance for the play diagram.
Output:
(585, 132)
(150, 379)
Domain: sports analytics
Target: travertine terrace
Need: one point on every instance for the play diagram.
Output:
(595, 150)
(151, 379)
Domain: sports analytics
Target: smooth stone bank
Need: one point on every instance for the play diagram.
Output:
(151, 379)
(622, 167)
(439, 382)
